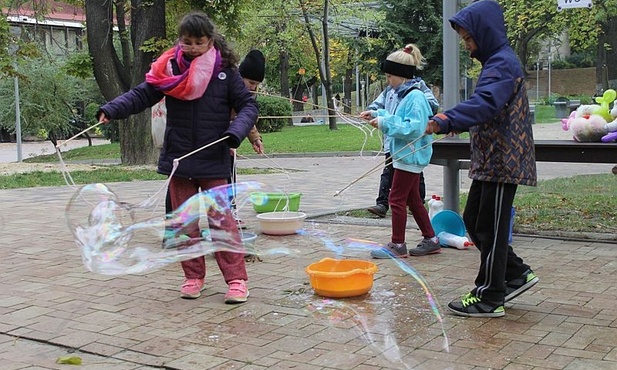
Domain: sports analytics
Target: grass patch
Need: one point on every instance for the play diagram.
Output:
(105, 174)
(545, 114)
(581, 203)
(314, 139)
(86, 153)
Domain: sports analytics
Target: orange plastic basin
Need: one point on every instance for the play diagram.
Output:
(341, 278)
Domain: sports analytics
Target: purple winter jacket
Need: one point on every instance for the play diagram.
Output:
(196, 123)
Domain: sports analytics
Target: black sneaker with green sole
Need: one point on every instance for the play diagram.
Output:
(516, 287)
(471, 306)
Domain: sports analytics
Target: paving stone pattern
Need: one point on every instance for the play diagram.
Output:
(51, 306)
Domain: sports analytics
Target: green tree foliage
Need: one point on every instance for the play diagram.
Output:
(530, 21)
(276, 29)
(50, 99)
(229, 15)
(418, 22)
(269, 108)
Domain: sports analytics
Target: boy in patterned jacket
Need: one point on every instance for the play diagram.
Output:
(502, 157)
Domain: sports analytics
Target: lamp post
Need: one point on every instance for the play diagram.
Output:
(538, 80)
(13, 51)
(362, 92)
(549, 77)
(17, 121)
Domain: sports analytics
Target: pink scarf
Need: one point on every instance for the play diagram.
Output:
(194, 78)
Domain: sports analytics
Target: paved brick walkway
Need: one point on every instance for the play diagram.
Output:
(51, 306)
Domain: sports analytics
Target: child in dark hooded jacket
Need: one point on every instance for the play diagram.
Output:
(502, 157)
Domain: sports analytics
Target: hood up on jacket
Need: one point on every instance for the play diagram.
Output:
(484, 22)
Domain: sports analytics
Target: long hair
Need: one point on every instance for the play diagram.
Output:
(198, 24)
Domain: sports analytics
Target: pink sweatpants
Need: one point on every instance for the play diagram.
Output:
(231, 264)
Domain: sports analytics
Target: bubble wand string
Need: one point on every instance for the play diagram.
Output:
(385, 162)
(378, 166)
(202, 148)
(175, 163)
(362, 126)
(317, 106)
(78, 134)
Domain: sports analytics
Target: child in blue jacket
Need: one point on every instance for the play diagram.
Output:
(410, 150)
(389, 100)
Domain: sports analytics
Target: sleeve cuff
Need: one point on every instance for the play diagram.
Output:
(443, 122)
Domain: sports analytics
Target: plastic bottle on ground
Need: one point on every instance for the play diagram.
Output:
(435, 207)
(451, 240)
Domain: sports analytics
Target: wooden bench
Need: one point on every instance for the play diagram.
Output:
(454, 154)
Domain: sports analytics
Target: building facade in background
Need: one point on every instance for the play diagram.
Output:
(60, 28)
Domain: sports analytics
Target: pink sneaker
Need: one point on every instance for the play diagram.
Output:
(237, 293)
(192, 288)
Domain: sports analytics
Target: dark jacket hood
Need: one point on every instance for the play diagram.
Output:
(485, 23)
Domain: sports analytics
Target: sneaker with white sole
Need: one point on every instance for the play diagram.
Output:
(516, 287)
(470, 305)
(192, 288)
(238, 292)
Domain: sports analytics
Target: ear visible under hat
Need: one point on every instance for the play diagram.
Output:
(253, 66)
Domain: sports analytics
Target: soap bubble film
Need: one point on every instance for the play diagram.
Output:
(118, 237)
(121, 237)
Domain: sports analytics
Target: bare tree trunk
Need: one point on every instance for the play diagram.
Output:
(324, 65)
(610, 30)
(347, 84)
(601, 65)
(117, 74)
(326, 77)
(284, 63)
(109, 72)
(284, 67)
(298, 94)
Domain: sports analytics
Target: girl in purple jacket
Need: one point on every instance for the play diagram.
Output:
(201, 86)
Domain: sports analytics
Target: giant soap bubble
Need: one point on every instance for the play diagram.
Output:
(117, 237)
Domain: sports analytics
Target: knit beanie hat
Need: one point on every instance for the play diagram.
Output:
(253, 66)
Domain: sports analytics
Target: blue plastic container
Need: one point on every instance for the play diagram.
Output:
(448, 221)
(512, 214)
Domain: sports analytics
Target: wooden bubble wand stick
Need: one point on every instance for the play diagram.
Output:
(78, 134)
(376, 167)
(385, 162)
(202, 148)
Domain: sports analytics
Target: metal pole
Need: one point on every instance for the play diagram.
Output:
(549, 77)
(17, 120)
(367, 85)
(538, 80)
(451, 78)
(451, 58)
(362, 94)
